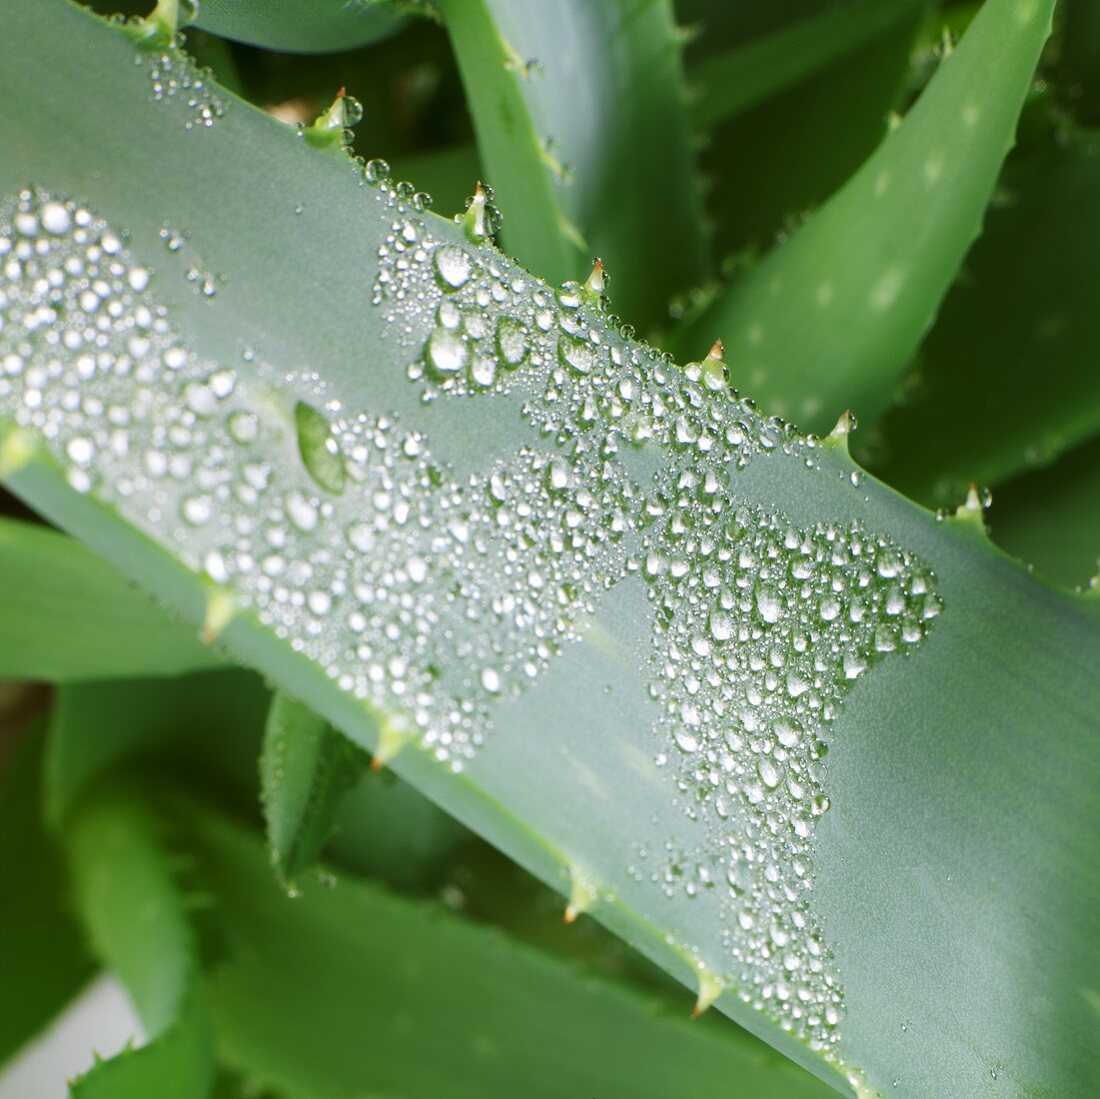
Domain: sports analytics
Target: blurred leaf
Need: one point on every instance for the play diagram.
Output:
(306, 767)
(208, 724)
(302, 26)
(43, 959)
(69, 616)
(350, 991)
(387, 829)
(727, 83)
(446, 174)
(580, 119)
(865, 275)
(769, 164)
(1050, 517)
(1008, 376)
(136, 918)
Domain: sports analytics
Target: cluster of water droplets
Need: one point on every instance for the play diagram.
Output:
(759, 626)
(173, 76)
(416, 592)
(432, 595)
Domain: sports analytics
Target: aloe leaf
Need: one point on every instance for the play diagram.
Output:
(581, 166)
(1028, 297)
(43, 960)
(318, 26)
(1049, 518)
(350, 989)
(707, 746)
(136, 918)
(207, 725)
(865, 275)
(306, 768)
(726, 83)
(387, 830)
(767, 165)
(68, 616)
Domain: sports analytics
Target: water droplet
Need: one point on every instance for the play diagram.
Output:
(319, 449)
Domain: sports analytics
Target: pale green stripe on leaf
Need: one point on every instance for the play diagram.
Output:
(830, 319)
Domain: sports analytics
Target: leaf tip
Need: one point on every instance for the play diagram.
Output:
(390, 742)
(16, 451)
(838, 437)
(710, 988)
(972, 509)
(595, 286)
(221, 609)
(332, 127)
(475, 220)
(583, 894)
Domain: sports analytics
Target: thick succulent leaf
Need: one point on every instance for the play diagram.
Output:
(1050, 518)
(580, 119)
(298, 26)
(730, 81)
(207, 725)
(830, 319)
(43, 959)
(769, 164)
(386, 829)
(68, 616)
(1024, 308)
(306, 768)
(350, 990)
(573, 683)
(137, 922)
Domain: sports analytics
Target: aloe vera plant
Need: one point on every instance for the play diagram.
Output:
(823, 756)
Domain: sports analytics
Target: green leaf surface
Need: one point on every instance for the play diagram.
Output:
(68, 616)
(728, 82)
(1050, 518)
(43, 960)
(385, 829)
(830, 319)
(207, 725)
(769, 164)
(567, 740)
(136, 918)
(306, 768)
(318, 26)
(1025, 309)
(351, 990)
(583, 134)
